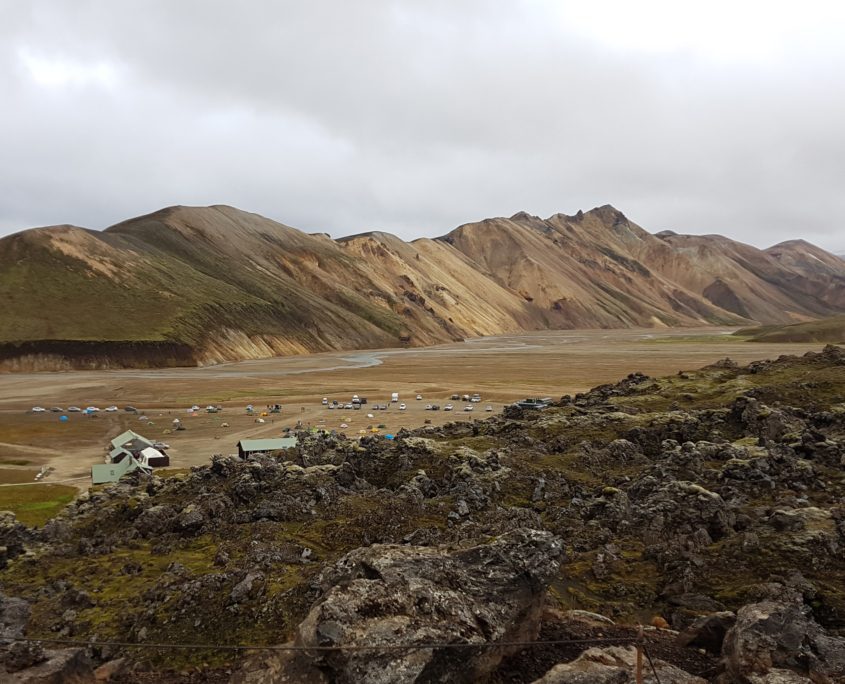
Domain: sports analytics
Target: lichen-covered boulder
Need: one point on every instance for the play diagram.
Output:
(64, 666)
(13, 537)
(614, 665)
(771, 635)
(389, 595)
(155, 520)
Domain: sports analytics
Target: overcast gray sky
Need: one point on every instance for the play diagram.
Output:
(415, 116)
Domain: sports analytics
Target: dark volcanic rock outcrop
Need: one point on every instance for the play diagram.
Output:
(385, 597)
(692, 500)
(771, 636)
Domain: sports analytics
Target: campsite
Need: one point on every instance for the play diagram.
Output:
(500, 370)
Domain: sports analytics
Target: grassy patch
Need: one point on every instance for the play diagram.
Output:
(16, 476)
(172, 472)
(693, 339)
(826, 330)
(36, 504)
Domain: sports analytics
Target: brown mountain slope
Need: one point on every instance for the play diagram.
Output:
(825, 270)
(587, 270)
(188, 285)
(751, 282)
(806, 258)
(454, 294)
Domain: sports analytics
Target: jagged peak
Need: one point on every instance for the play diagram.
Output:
(608, 213)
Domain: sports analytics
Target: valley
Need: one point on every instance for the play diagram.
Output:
(702, 502)
(501, 368)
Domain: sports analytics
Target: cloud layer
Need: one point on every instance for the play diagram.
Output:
(414, 116)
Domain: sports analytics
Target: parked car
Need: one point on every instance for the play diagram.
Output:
(469, 407)
(455, 397)
(488, 408)
(111, 409)
(435, 407)
(74, 409)
(160, 445)
(38, 409)
(419, 397)
(57, 409)
(330, 407)
(448, 407)
(383, 407)
(402, 407)
(92, 409)
(128, 409)
(357, 407)
(348, 406)
(428, 407)
(325, 401)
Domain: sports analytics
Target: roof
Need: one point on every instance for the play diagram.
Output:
(151, 452)
(125, 439)
(267, 444)
(112, 472)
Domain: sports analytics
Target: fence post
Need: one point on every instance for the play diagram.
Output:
(639, 672)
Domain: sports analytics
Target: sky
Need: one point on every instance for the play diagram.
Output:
(415, 116)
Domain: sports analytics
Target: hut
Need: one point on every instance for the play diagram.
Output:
(246, 447)
(131, 444)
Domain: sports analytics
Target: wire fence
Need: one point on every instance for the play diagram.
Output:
(638, 641)
(350, 647)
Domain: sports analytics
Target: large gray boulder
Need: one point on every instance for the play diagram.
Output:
(384, 596)
(14, 614)
(614, 665)
(64, 666)
(770, 636)
(13, 537)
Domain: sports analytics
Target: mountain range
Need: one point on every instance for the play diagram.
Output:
(203, 285)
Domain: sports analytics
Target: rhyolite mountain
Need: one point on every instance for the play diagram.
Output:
(201, 285)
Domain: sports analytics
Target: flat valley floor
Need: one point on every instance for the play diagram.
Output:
(501, 369)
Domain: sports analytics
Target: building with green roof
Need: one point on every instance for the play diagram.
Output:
(264, 446)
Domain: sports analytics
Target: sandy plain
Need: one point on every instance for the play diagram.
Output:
(501, 369)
